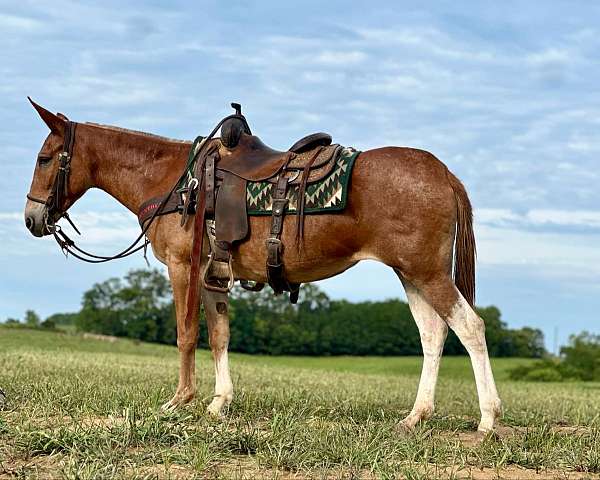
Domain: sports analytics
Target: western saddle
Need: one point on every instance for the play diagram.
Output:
(216, 196)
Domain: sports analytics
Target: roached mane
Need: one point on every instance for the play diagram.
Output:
(136, 132)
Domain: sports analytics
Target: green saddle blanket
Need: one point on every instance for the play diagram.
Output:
(327, 195)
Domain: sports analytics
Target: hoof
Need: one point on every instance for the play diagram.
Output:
(218, 407)
(407, 425)
(176, 402)
(168, 407)
(214, 411)
(413, 419)
(474, 439)
(487, 433)
(487, 426)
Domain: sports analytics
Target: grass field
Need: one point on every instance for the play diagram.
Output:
(83, 408)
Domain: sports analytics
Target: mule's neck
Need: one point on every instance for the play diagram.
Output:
(130, 166)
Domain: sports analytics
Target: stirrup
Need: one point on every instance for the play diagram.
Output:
(216, 287)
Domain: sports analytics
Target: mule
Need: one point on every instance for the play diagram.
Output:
(405, 209)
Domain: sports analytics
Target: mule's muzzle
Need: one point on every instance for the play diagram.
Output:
(35, 220)
(37, 229)
(29, 223)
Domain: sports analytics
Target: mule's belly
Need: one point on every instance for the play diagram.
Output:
(328, 248)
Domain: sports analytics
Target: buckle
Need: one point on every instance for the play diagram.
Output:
(273, 241)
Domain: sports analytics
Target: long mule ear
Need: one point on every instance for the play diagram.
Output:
(54, 122)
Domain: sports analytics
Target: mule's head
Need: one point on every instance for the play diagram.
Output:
(40, 215)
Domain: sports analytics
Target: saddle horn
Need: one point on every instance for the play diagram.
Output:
(232, 129)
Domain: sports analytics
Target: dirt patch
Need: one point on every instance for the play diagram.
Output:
(160, 471)
(97, 336)
(50, 467)
(44, 466)
(513, 472)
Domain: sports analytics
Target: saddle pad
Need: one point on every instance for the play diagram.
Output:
(329, 194)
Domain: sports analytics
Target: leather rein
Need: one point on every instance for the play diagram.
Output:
(55, 202)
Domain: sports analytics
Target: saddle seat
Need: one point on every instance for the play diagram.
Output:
(254, 161)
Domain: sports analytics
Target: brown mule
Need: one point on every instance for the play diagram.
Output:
(406, 210)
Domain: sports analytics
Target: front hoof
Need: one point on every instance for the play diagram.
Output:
(177, 401)
(168, 407)
(407, 425)
(218, 406)
(413, 419)
(487, 425)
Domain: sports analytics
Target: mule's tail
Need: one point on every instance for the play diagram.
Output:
(464, 247)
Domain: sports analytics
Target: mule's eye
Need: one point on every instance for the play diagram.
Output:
(44, 159)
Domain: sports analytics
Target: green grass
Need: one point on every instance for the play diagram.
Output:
(82, 408)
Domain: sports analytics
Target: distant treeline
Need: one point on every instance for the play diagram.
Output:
(578, 361)
(140, 307)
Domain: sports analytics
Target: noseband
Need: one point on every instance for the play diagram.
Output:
(55, 202)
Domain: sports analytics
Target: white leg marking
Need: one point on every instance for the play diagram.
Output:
(470, 329)
(433, 331)
(215, 308)
(223, 386)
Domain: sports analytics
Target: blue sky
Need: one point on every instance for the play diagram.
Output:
(505, 93)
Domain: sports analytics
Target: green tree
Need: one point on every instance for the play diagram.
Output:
(138, 307)
(32, 319)
(581, 357)
(62, 319)
(579, 360)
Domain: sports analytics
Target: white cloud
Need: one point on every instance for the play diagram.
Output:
(550, 56)
(506, 238)
(539, 218)
(336, 59)
(426, 39)
(124, 90)
(18, 23)
(10, 216)
(565, 257)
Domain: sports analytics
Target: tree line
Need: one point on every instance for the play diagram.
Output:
(139, 306)
(579, 360)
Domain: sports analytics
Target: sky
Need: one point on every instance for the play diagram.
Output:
(505, 93)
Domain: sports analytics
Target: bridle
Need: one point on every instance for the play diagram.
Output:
(55, 202)
(55, 209)
(58, 193)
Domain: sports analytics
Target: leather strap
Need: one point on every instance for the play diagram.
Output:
(210, 185)
(275, 274)
(194, 282)
(301, 198)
